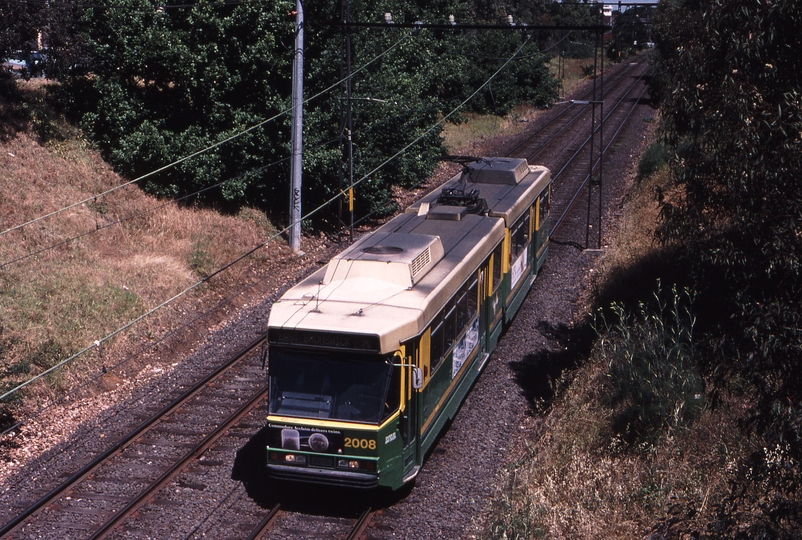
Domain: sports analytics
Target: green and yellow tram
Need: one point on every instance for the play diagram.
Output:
(371, 355)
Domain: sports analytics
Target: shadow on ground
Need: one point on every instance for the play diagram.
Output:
(250, 469)
(541, 375)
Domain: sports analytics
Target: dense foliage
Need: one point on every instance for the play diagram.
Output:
(151, 85)
(730, 75)
(652, 385)
(631, 31)
(18, 28)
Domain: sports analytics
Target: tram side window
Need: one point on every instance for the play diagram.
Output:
(450, 325)
(462, 307)
(455, 317)
(473, 296)
(520, 235)
(467, 304)
(544, 205)
(497, 267)
(393, 401)
(437, 348)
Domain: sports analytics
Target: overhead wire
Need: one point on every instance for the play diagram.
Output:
(90, 5)
(224, 141)
(208, 148)
(99, 342)
(435, 125)
(188, 196)
(130, 217)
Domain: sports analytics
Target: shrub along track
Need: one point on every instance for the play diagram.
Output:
(454, 487)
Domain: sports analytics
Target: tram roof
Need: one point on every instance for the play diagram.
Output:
(383, 284)
(508, 185)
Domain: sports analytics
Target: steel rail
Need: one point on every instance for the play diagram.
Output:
(125, 441)
(615, 80)
(263, 525)
(598, 128)
(573, 158)
(361, 524)
(176, 467)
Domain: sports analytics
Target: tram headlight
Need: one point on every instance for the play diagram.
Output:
(296, 459)
(318, 442)
(356, 464)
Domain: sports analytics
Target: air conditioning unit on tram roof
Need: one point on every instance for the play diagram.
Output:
(399, 258)
(505, 171)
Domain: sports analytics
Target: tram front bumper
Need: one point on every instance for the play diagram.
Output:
(316, 475)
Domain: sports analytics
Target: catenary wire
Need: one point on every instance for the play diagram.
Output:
(208, 148)
(250, 252)
(130, 217)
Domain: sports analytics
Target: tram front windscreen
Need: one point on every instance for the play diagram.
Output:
(335, 386)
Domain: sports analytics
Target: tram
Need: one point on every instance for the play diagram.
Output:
(371, 356)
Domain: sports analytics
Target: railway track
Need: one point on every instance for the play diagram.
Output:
(109, 489)
(566, 122)
(139, 483)
(577, 137)
(280, 524)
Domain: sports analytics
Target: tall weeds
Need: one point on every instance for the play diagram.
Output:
(652, 384)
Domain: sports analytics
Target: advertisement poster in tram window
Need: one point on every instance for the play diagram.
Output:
(464, 348)
(518, 268)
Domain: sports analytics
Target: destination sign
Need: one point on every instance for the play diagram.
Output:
(323, 340)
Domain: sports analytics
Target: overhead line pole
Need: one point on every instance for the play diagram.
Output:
(297, 131)
(599, 29)
(345, 134)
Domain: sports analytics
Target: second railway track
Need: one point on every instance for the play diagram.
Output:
(101, 495)
(278, 524)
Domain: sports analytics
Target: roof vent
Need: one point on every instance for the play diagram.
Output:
(383, 250)
(420, 262)
(448, 213)
(398, 258)
(507, 171)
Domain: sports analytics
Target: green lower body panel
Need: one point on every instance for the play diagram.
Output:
(449, 410)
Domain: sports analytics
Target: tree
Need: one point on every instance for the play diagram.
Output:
(18, 31)
(730, 79)
(631, 30)
(161, 83)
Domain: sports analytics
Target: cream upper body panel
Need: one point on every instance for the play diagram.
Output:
(392, 282)
(384, 285)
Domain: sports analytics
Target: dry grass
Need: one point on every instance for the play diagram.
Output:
(78, 290)
(572, 75)
(577, 479)
(461, 138)
(637, 221)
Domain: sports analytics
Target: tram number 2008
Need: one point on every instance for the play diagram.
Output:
(365, 444)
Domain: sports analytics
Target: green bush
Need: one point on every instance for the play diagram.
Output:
(653, 385)
(165, 84)
(652, 159)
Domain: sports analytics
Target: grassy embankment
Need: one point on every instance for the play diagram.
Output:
(73, 278)
(628, 446)
(461, 138)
